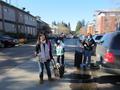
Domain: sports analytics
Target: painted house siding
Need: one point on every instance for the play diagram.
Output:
(0, 11)
(9, 13)
(9, 27)
(1, 27)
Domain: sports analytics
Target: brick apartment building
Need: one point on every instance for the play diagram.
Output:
(107, 21)
(90, 28)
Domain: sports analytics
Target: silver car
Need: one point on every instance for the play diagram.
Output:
(108, 52)
(97, 37)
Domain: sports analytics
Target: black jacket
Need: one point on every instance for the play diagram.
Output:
(88, 44)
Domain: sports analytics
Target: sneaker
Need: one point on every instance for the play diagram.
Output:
(41, 80)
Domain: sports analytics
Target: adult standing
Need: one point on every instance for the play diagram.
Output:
(88, 44)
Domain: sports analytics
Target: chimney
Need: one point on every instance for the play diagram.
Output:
(23, 8)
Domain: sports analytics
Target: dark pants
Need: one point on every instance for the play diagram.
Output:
(60, 59)
(47, 65)
(87, 57)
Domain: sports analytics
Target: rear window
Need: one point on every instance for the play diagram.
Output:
(106, 39)
(98, 37)
(115, 44)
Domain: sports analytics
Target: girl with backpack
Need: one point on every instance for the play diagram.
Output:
(43, 50)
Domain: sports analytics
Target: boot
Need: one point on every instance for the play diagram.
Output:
(41, 81)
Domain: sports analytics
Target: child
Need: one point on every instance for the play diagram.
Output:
(60, 52)
(44, 51)
(60, 57)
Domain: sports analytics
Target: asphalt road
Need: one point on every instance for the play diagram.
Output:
(11, 57)
(89, 79)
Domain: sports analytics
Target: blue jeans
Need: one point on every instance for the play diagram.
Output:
(87, 57)
(47, 65)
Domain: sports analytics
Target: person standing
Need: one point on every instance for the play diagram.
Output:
(88, 45)
(60, 52)
(43, 50)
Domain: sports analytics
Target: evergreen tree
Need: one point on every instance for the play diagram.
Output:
(54, 23)
(69, 26)
(83, 22)
(78, 26)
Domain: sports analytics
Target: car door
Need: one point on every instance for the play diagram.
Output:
(115, 49)
(103, 46)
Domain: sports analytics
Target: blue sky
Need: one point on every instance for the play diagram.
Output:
(66, 10)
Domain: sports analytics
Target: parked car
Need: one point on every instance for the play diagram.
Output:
(81, 37)
(97, 37)
(14, 39)
(108, 52)
(7, 41)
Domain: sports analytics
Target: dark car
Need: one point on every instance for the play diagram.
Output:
(7, 41)
(108, 52)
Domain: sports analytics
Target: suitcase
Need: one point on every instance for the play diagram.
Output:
(78, 59)
(57, 69)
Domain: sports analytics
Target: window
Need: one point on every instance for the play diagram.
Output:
(27, 17)
(5, 9)
(1, 26)
(20, 15)
(106, 40)
(33, 19)
(13, 26)
(98, 37)
(115, 44)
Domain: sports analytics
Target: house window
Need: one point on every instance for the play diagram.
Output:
(20, 15)
(33, 19)
(5, 9)
(27, 17)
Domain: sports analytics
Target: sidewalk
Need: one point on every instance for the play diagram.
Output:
(25, 77)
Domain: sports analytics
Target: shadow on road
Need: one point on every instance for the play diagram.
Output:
(113, 79)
